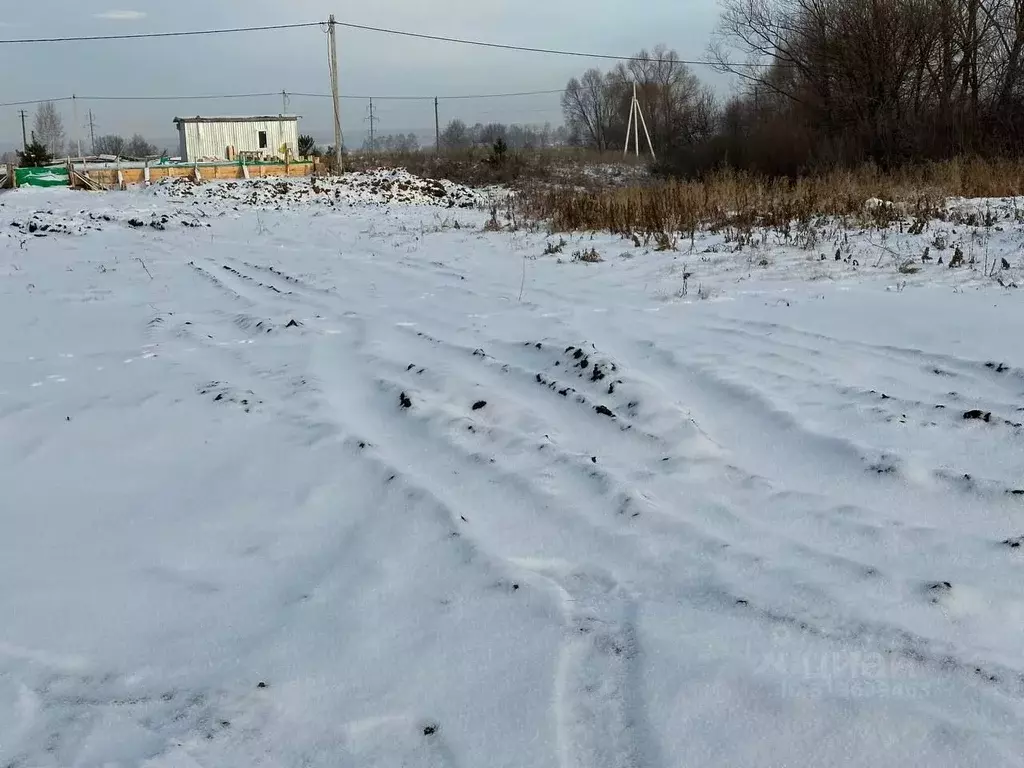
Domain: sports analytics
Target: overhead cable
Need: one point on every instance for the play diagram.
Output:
(150, 35)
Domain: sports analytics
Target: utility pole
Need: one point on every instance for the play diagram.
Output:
(372, 119)
(24, 135)
(437, 128)
(78, 128)
(284, 102)
(636, 119)
(332, 57)
(92, 131)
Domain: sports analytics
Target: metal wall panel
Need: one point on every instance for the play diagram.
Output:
(210, 140)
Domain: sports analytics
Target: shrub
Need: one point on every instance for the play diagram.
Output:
(589, 256)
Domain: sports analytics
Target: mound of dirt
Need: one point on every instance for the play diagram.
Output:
(376, 187)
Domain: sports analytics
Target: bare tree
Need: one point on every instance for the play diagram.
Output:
(889, 80)
(492, 132)
(676, 108)
(139, 148)
(455, 136)
(667, 89)
(48, 128)
(588, 105)
(111, 144)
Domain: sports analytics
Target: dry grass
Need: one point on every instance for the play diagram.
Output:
(730, 199)
(562, 165)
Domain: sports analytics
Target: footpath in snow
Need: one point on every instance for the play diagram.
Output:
(324, 474)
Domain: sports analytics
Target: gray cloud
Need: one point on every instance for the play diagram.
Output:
(121, 15)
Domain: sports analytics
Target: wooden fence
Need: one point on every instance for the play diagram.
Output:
(107, 177)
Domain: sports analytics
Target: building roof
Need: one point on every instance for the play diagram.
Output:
(251, 119)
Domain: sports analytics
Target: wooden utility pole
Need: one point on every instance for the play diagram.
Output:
(437, 128)
(332, 56)
(78, 127)
(24, 135)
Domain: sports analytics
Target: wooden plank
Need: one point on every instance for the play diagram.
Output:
(113, 178)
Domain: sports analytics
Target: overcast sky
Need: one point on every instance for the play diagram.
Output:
(295, 60)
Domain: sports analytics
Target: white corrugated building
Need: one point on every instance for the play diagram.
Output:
(223, 138)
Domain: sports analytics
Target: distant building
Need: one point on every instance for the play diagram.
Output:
(230, 138)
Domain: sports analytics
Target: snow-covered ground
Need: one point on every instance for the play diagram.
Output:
(370, 486)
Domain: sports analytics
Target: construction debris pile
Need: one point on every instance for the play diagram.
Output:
(376, 187)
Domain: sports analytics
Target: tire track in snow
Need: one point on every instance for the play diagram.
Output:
(283, 281)
(1009, 380)
(429, 349)
(638, 481)
(403, 503)
(575, 669)
(396, 741)
(777, 444)
(213, 279)
(422, 443)
(738, 416)
(692, 537)
(928, 379)
(597, 718)
(425, 348)
(953, 456)
(595, 711)
(829, 469)
(510, 372)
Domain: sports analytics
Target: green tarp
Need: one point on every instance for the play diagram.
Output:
(42, 177)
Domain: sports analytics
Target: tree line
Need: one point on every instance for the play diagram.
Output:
(49, 142)
(395, 142)
(824, 84)
(457, 135)
(136, 147)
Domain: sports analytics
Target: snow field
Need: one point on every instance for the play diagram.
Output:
(353, 486)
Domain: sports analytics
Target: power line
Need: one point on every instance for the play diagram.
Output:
(367, 28)
(183, 98)
(529, 49)
(150, 35)
(275, 94)
(35, 101)
(430, 98)
(504, 95)
(545, 111)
